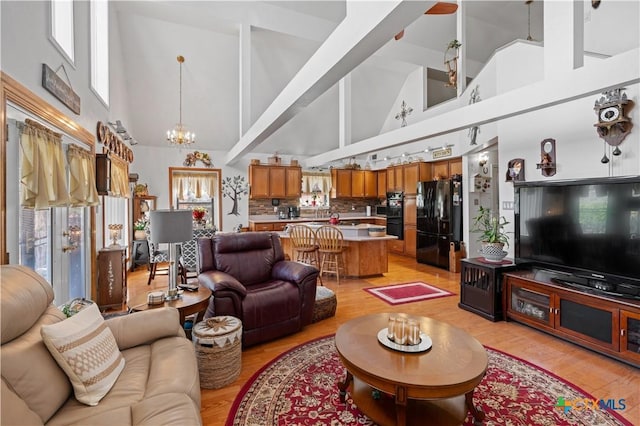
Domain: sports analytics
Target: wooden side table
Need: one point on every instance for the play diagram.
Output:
(190, 302)
(481, 286)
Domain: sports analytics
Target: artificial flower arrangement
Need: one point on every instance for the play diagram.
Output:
(198, 213)
(195, 156)
(140, 225)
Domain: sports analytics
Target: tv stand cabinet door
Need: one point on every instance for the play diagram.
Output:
(592, 320)
(630, 335)
(530, 303)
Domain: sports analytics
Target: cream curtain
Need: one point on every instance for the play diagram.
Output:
(316, 182)
(119, 177)
(82, 179)
(193, 185)
(43, 168)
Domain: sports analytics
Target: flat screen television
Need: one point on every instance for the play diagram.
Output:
(588, 228)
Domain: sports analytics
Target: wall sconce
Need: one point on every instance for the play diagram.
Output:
(482, 160)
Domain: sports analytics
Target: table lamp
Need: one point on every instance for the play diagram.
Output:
(171, 226)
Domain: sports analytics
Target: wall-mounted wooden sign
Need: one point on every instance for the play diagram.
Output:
(446, 152)
(61, 90)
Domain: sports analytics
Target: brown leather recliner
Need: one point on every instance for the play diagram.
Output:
(250, 280)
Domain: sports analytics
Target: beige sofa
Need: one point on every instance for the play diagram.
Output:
(159, 383)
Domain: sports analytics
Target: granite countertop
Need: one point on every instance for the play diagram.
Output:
(344, 217)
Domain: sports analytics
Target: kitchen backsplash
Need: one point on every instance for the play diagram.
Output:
(341, 205)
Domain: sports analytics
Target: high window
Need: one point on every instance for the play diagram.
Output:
(100, 49)
(62, 29)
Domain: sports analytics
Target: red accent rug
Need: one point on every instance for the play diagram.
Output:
(398, 294)
(299, 388)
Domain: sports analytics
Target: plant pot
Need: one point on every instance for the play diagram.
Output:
(493, 252)
(139, 234)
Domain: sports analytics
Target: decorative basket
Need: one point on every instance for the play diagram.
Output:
(218, 350)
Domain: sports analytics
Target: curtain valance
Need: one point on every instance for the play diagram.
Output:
(119, 177)
(42, 167)
(82, 177)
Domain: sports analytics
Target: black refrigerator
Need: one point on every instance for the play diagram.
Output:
(439, 220)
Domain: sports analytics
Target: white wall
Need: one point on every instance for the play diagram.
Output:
(152, 165)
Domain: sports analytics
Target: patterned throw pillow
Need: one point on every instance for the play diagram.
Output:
(84, 347)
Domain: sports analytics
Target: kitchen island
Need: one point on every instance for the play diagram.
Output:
(364, 256)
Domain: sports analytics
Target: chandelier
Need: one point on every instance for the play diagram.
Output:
(180, 136)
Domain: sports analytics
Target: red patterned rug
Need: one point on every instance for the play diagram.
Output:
(299, 388)
(398, 294)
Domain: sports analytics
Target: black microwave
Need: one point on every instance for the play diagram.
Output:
(381, 210)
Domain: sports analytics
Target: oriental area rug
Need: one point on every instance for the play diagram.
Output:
(398, 294)
(299, 388)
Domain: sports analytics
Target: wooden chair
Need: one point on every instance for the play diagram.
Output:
(305, 247)
(330, 247)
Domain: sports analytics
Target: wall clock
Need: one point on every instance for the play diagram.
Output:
(547, 164)
(613, 125)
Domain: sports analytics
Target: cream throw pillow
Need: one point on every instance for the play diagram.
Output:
(84, 347)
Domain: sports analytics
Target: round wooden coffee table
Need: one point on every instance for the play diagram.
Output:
(437, 384)
(190, 302)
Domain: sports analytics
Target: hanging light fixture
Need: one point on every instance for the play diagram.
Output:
(180, 136)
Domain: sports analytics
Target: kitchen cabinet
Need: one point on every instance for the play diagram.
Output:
(410, 238)
(357, 183)
(455, 166)
(382, 183)
(112, 278)
(440, 169)
(341, 183)
(274, 181)
(561, 311)
(348, 183)
(293, 184)
(414, 173)
(370, 184)
(277, 182)
(405, 177)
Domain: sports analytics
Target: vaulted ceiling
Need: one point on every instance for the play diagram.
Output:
(284, 35)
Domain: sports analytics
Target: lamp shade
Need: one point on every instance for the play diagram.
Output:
(171, 226)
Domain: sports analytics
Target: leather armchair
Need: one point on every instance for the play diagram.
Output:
(250, 280)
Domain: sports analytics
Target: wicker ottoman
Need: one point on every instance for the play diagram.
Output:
(218, 349)
(325, 305)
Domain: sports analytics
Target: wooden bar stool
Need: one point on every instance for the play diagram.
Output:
(303, 241)
(330, 248)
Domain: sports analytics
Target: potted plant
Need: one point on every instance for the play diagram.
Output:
(492, 234)
(140, 227)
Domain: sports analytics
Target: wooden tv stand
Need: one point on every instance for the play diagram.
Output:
(606, 324)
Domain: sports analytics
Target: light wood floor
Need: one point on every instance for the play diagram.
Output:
(602, 377)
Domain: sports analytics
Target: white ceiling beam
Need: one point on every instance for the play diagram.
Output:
(618, 71)
(356, 38)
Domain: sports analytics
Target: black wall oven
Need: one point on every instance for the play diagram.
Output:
(395, 219)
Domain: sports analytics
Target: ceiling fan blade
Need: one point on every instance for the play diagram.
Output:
(442, 8)
(399, 35)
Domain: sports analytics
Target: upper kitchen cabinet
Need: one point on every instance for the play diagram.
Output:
(414, 173)
(395, 179)
(274, 181)
(382, 183)
(370, 184)
(405, 177)
(444, 169)
(347, 183)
